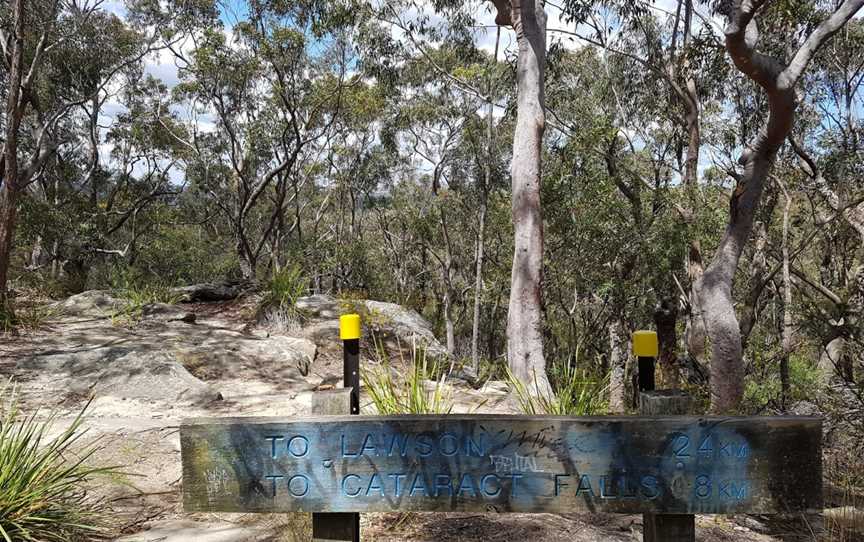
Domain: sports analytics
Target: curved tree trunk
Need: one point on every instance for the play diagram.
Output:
(524, 319)
(778, 81)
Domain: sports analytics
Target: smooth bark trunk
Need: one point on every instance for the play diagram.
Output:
(481, 226)
(695, 334)
(788, 330)
(778, 81)
(524, 318)
(478, 288)
(449, 326)
(832, 360)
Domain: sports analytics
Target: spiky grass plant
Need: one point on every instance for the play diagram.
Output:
(576, 393)
(412, 395)
(136, 296)
(43, 482)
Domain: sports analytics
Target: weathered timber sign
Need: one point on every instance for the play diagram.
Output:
(503, 463)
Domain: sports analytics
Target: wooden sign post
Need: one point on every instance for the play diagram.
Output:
(670, 465)
(341, 526)
(660, 527)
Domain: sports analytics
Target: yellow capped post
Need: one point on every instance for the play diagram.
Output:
(349, 326)
(645, 344)
(344, 526)
(349, 332)
(645, 348)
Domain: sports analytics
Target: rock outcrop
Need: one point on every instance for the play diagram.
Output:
(386, 321)
(123, 372)
(89, 304)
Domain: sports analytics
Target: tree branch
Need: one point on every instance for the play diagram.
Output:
(823, 32)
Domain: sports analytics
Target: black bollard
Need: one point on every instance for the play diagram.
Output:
(338, 526)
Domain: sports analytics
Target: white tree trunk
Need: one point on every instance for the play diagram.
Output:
(481, 226)
(524, 319)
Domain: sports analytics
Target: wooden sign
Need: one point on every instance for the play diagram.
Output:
(679, 465)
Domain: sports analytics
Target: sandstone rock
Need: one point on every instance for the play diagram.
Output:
(322, 332)
(495, 386)
(407, 325)
(318, 307)
(90, 304)
(214, 291)
(167, 313)
(385, 320)
(211, 531)
(124, 372)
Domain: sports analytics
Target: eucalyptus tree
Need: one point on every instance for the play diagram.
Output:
(273, 90)
(778, 79)
(62, 59)
(33, 36)
(525, 314)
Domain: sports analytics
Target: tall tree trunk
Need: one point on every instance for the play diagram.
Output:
(694, 327)
(665, 319)
(481, 226)
(8, 212)
(788, 330)
(478, 287)
(524, 317)
(448, 323)
(618, 367)
(714, 290)
(448, 285)
(9, 191)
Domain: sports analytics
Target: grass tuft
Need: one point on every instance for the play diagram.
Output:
(43, 482)
(413, 395)
(29, 317)
(277, 309)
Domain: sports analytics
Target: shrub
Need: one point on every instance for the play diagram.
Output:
(762, 386)
(413, 395)
(277, 308)
(8, 321)
(25, 317)
(43, 493)
(136, 296)
(285, 288)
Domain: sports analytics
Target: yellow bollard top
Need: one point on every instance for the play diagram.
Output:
(349, 326)
(645, 344)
